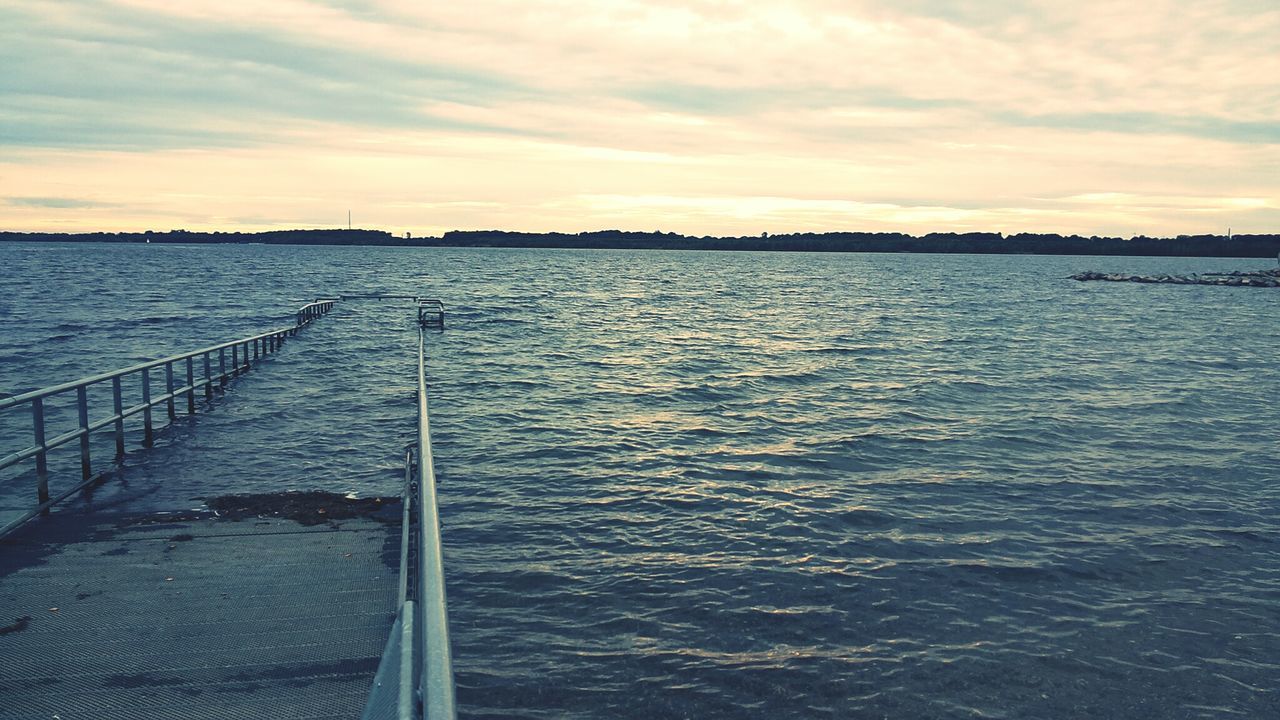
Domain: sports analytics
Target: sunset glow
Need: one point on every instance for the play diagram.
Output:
(695, 117)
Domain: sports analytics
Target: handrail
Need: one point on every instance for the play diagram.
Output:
(437, 665)
(414, 680)
(430, 313)
(311, 311)
(405, 701)
(94, 379)
(376, 296)
(173, 388)
(9, 402)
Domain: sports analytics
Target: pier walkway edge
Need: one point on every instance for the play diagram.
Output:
(295, 605)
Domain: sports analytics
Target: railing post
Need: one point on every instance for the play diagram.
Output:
(168, 388)
(117, 405)
(191, 386)
(82, 407)
(208, 379)
(242, 359)
(42, 461)
(147, 435)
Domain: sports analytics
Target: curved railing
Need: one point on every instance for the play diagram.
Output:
(242, 354)
(311, 311)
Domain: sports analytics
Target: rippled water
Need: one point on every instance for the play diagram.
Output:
(749, 485)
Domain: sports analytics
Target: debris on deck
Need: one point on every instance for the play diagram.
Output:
(307, 508)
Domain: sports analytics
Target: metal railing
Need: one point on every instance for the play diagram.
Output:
(430, 313)
(175, 387)
(311, 311)
(430, 310)
(437, 665)
(415, 677)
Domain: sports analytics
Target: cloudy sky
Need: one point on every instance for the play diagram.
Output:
(697, 116)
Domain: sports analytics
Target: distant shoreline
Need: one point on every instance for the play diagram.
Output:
(1241, 246)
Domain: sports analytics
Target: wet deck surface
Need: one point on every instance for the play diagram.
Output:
(113, 616)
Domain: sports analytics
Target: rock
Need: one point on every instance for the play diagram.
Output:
(1236, 278)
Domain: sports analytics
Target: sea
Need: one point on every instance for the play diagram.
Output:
(740, 485)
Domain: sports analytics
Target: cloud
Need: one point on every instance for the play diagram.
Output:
(916, 112)
(377, 64)
(55, 202)
(1147, 123)
(113, 80)
(1159, 202)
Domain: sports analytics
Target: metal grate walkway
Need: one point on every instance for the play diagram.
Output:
(114, 617)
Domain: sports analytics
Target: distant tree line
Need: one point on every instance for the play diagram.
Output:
(269, 237)
(975, 242)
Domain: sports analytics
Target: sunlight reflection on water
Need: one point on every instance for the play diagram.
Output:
(748, 485)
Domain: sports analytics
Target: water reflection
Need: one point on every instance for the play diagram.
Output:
(743, 485)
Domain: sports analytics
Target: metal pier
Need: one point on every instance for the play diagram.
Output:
(197, 377)
(114, 616)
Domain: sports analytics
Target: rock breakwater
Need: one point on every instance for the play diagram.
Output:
(1247, 278)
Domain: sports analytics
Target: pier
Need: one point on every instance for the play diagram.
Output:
(288, 605)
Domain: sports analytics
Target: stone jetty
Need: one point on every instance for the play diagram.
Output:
(1245, 278)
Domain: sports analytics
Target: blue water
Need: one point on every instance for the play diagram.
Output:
(697, 485)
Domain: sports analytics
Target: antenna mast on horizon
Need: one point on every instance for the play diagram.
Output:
(348, 219)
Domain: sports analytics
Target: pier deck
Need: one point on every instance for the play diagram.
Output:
(108, 616)
(291, 605)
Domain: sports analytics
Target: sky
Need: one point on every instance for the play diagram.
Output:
(704, 117)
